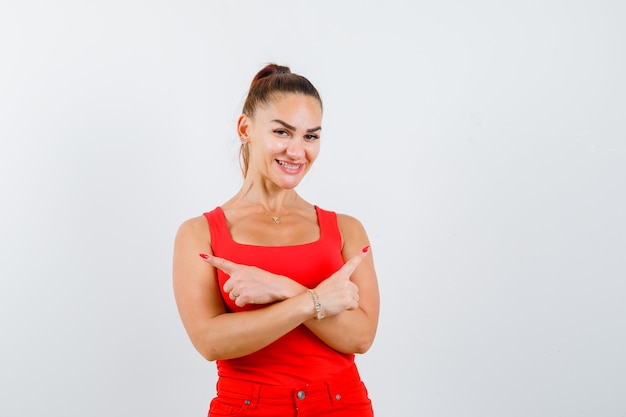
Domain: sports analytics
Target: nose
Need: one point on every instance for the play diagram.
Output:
(295, 149)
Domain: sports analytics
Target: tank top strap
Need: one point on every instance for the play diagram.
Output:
(329, 228)
(217, 227)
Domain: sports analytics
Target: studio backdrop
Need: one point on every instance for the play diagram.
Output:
(482, 144)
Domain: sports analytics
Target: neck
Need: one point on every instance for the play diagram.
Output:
(272, 199)
(280, 208)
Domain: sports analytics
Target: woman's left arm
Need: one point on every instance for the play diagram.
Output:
(353, 331)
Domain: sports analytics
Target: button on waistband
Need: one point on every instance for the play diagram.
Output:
(301, 395)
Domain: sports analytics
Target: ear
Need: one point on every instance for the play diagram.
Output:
(243, 127)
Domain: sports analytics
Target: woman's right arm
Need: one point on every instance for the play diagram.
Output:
(214, 332)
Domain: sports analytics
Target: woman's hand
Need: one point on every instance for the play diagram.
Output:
(252, 285)
(337, 293)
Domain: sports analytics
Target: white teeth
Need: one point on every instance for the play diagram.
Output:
(289, 166)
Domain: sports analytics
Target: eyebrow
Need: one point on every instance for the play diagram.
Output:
(288, 126)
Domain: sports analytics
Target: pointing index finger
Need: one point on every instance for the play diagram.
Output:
(356, 260)
(221, 263)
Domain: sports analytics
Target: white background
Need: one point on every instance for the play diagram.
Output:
(482, 144)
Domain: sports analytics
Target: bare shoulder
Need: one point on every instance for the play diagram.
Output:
(352, 231)
(196, 228)
(347, 222)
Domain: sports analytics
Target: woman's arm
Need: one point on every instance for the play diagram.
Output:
(352, 331)
(349, 298)
(213, 332)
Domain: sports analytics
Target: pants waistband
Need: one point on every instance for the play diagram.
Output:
(250, 390)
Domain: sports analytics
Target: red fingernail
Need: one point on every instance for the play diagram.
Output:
(204, 255)
(365, 249)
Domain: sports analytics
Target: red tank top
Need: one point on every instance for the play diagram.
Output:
(299, 356)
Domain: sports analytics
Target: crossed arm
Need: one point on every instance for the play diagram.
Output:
(349, 298)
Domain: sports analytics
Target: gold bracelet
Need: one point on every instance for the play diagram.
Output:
(318, 306)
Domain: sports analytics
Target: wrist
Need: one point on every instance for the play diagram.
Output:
(289, 288)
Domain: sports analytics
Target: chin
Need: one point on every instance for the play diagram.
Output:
(289, 184)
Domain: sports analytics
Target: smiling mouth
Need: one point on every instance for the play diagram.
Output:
(288, 165)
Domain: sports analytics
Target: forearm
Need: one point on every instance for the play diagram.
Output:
(351, 331)
(232, 335)
(349, 327)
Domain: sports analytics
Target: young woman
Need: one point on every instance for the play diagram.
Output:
(279, 292)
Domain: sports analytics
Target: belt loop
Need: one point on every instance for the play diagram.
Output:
(255, 394)
(336, 384)
(331, 394)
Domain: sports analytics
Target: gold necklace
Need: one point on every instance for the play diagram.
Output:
(276, 219)
(268, 214)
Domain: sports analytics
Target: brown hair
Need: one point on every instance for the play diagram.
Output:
(270, 81)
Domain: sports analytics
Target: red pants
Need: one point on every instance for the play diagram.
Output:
(342, 396)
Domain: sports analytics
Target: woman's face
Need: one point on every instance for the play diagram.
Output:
(283, 138)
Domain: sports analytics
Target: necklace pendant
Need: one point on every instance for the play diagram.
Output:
(274, 218)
